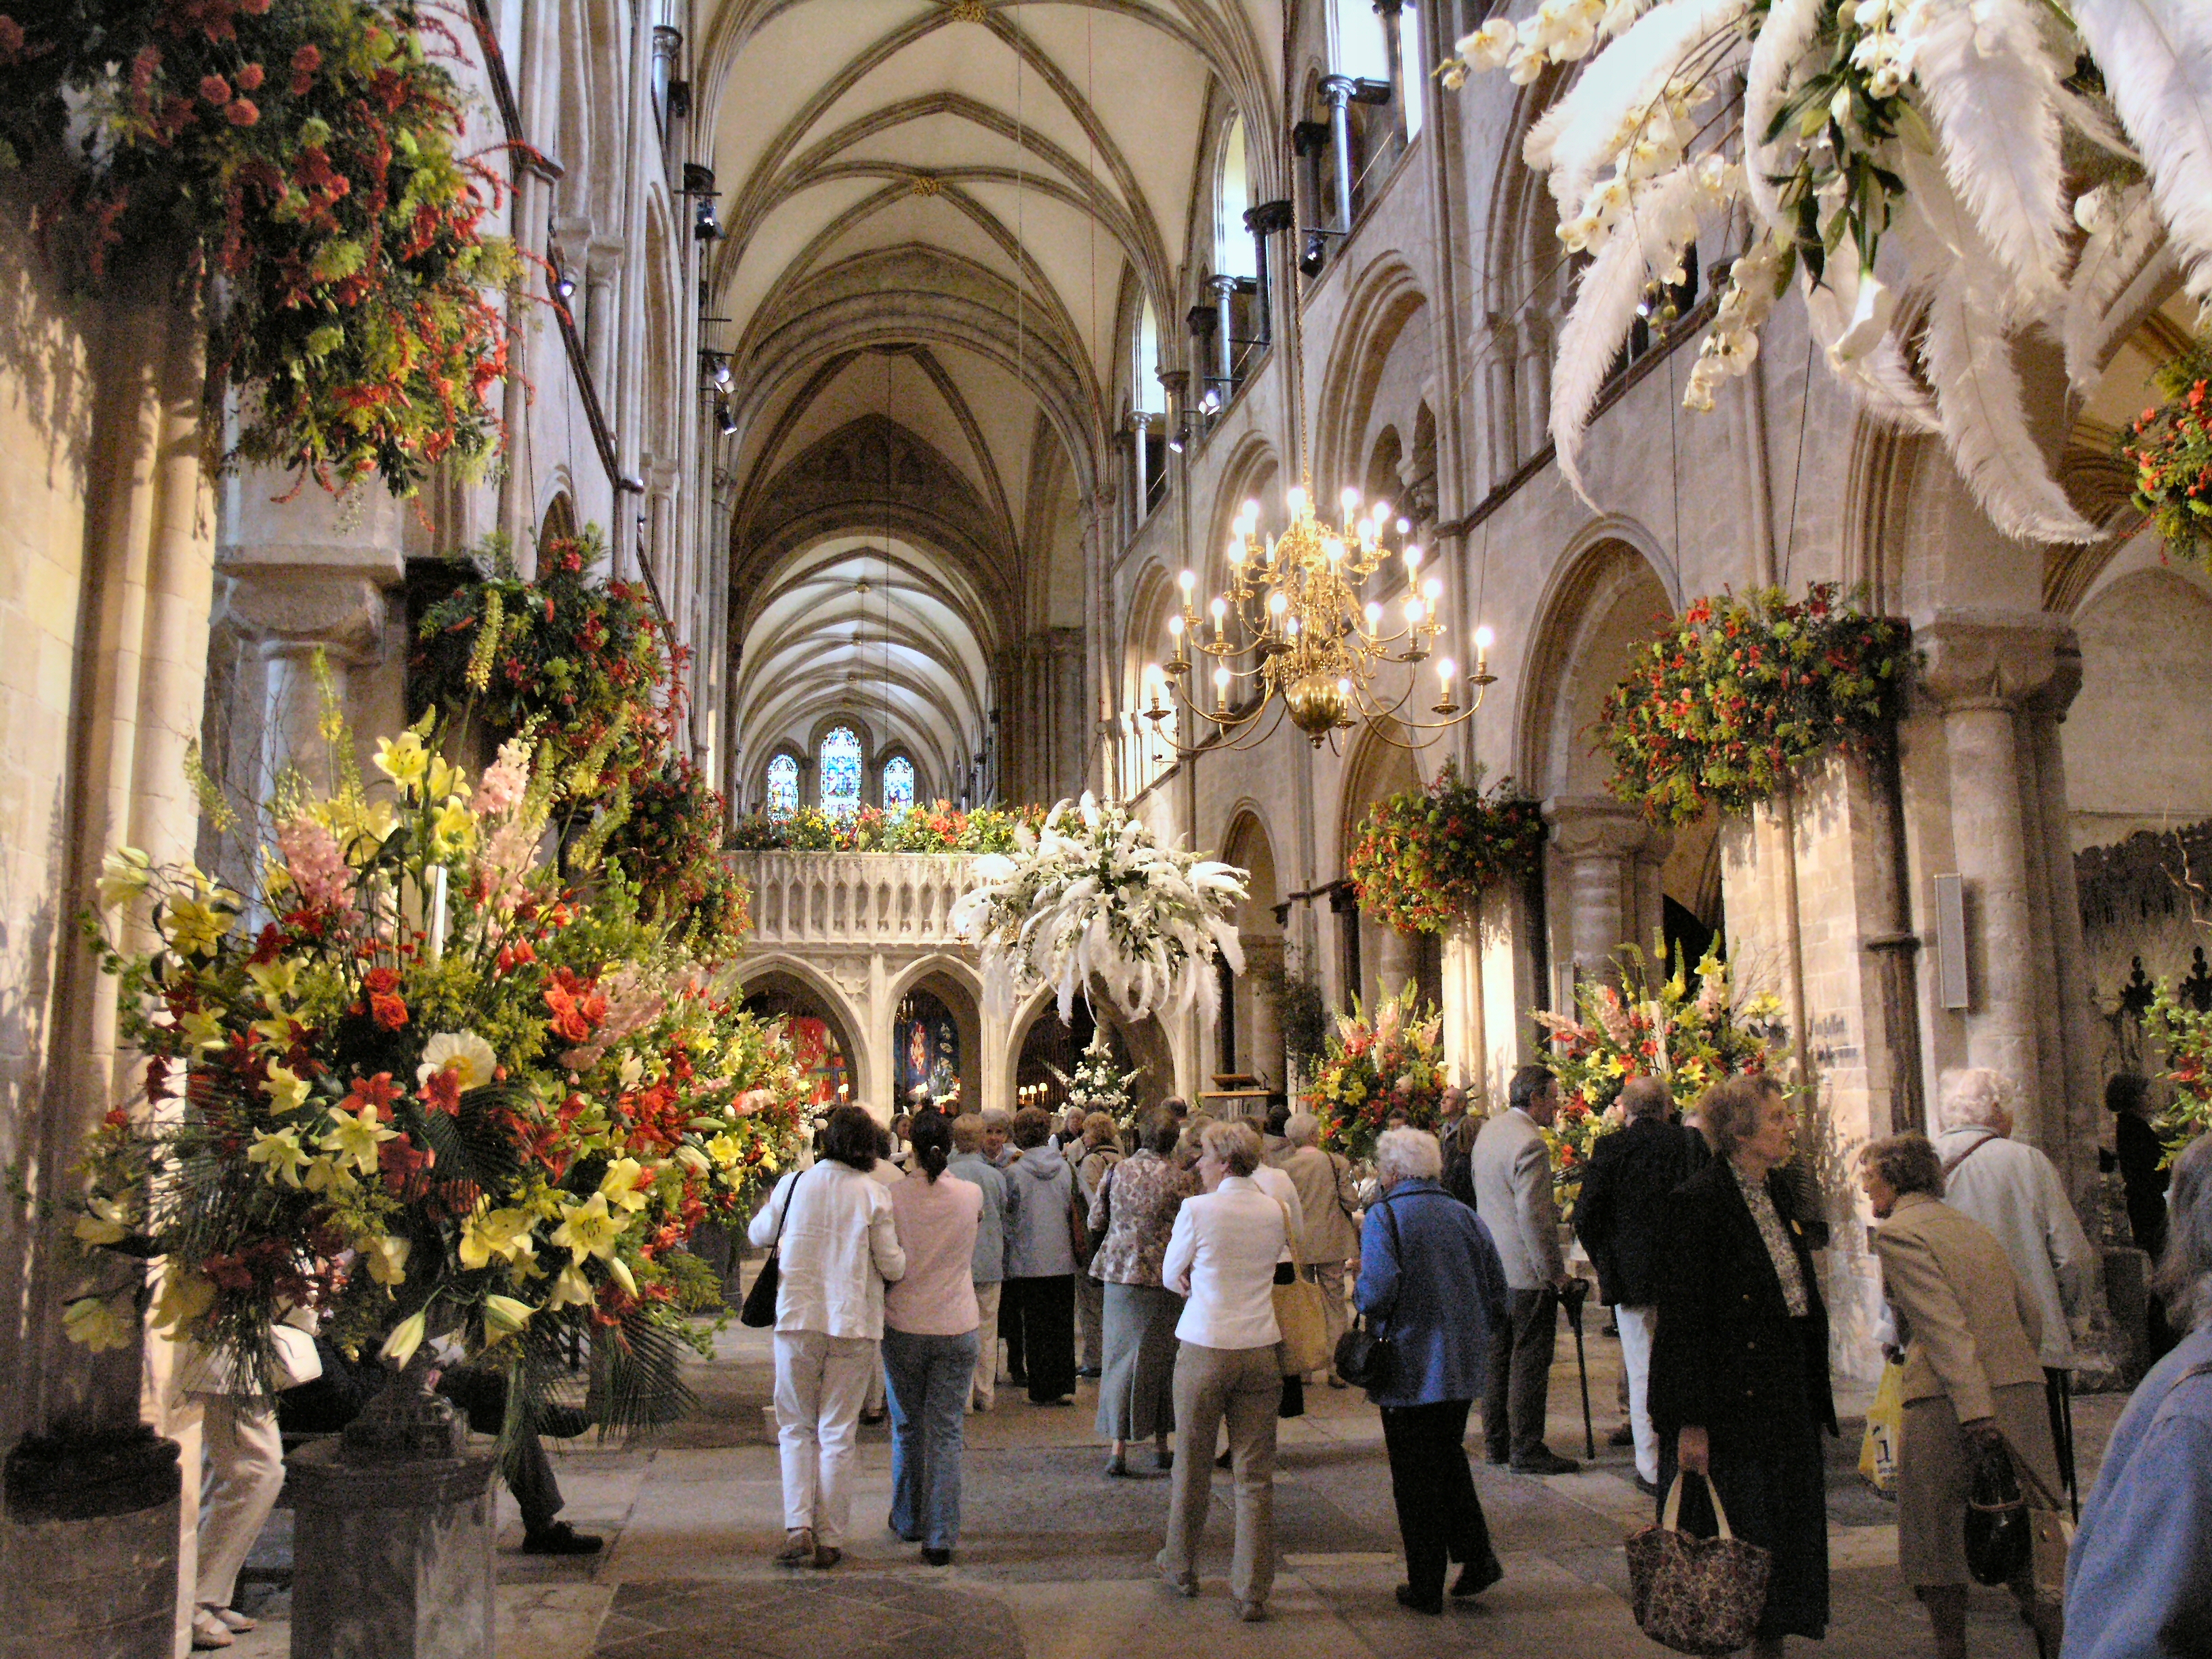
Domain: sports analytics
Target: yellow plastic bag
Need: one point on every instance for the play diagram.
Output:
(1885, 1431)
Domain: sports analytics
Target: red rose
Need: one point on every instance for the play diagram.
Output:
(251, 77)
(242, 112)
(215, 89)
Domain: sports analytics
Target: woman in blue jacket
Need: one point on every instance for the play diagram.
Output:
(1430, 1282)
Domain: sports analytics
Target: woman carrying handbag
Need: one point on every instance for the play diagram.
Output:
(1428, 1267)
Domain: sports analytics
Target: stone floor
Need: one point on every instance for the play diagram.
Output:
(1055, 1560)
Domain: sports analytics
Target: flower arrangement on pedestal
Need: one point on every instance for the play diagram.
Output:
(942, 828)
(2008, 166)
(2170, 447)
(1688, 1039)
(1091, 894)
(1424, 857)
(1376, 1068)
(1735, 697)
(436, 1093)
(1098, 1084)
(2184, 1034)
(304, 163)
(589, 669)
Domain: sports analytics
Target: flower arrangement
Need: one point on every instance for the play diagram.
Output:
(2011, 165)
(437, 1093)
(2184, 1033)
(1426, 856)
(1688, 1039)
(588, 668)
(1374, 1068)
(304, 160)
(1091, 893)
(1723, 708)
(942, 828)
(2170, 447)
(1100, 1085)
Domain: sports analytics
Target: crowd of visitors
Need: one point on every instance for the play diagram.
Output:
(1168, 1248)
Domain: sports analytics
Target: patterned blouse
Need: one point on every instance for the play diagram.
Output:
(1775, 1237)
(1135, 1209)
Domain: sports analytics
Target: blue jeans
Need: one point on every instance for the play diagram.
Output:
(929, 1378)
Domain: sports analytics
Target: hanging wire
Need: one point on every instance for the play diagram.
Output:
(1797, 471)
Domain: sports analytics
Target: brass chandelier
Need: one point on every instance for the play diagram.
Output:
(1291, 626)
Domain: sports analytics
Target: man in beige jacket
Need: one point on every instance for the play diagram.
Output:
(1972, 1382)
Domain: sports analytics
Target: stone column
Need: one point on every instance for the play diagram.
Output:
(1980, 668)
(1141, 470)
(1393, 40)
(602, 284)
(1339, 90)
(1225, 304)
(2071, 1127)
(1599, 844)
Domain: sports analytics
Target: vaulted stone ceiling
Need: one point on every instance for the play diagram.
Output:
(935, 213)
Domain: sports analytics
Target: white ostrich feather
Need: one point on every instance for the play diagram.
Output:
(1775, 56)
(2129, 238)
(1991, 92)
(1579, 135)
(2156, 55)
(1642, 246)
(1978, 396)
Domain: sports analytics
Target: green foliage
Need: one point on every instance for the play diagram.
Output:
(941, 828)
(2170, 447)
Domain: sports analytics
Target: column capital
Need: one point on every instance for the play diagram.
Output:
(1339, 90)
(1596, 826)
(289, 611)
(1993, 659)
(1223, 285)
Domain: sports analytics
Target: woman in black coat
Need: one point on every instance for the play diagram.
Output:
(1739, 1365)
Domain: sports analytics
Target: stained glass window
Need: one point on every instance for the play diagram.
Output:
(898, 784)
(839, 762)
(783, 784)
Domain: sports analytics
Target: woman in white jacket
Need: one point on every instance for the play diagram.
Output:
(836, 1247)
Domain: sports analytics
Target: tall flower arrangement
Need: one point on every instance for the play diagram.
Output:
(1091, 893)
(2170, 447)
(436, 1093)
(1687, 1038)
(2184, 1034)
(1424, 857)
(1099, 1084)
(588, 667)
(1377, 1066)
(2003, 164)
(1725, 706)
(306, 162)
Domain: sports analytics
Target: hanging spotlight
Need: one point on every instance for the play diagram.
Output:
(717, 366)
(1176, 439)
(726, 418)
(564, 285)
(1316, 253)
(707, 226)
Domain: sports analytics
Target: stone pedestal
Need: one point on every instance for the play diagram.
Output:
(393, 1548)
(88, 1550)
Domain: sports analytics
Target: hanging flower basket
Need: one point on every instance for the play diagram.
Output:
(2170, 447)
(303, 161)
(1377, 1068)
(438, 1093)
(1091, 893)
(1726, 707)
(1425, 857)
(1689, 1039)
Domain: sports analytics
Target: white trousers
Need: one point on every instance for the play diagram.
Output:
(821, 1384)
(987, 1348)
(245, 1472)
(1636, 1327)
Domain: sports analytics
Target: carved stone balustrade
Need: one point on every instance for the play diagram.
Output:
(831, 901)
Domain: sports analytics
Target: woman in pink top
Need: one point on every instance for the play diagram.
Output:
(930, 1341)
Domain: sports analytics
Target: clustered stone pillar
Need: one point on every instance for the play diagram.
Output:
(1339, 90)
(1608, 857)
(2003, 681)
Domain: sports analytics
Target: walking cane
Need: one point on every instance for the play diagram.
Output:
(1577, 1289)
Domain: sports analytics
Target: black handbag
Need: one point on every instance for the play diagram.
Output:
(759, 1309)
(1364, 1356)
(1999, 1537)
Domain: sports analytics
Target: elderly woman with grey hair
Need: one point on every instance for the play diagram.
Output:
(1430, 1282)
(1327, 1196)
(1132, 1216)
(2015, 1192)
(1971, 1385)
(2139, 1582)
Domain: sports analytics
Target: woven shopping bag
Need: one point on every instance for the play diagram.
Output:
(1694, 1594)
(1301, 1315)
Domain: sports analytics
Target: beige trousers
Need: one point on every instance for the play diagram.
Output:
(987, 1348)
(1329, 1275)
(1245, 1386)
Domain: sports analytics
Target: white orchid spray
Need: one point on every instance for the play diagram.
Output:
(1093, 894)
(1940, 177)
